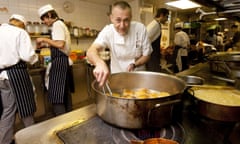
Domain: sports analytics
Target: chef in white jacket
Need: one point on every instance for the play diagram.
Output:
(16, 89)
(182, 45)
(128, 42)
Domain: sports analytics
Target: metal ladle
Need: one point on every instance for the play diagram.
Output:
(235, 81)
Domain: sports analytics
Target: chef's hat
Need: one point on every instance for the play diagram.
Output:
(44, 9)
(178, 25)
(19, 17)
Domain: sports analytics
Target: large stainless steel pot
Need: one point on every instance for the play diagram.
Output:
(220, 112)
(139, 113)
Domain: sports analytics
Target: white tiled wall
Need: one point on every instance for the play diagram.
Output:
(85, 14)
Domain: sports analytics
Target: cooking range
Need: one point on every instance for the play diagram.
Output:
(188, 127)
(193, 129)
(96, 131)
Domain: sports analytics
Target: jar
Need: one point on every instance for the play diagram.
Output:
(44, 29)
(37, 28)
(30, 28)
(87, 31)
(92, 33)
(75, 31)
(81, 33)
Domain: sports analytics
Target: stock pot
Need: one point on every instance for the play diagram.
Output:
(133, 113)
(220, 103)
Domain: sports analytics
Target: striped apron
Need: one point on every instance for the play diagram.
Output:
(22, 89)
(58, 77)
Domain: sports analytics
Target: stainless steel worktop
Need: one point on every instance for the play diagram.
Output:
(45, 132)
(202, 70)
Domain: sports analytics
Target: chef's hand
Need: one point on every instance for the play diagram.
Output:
(131, 67)
(41, 42)
(101, 73)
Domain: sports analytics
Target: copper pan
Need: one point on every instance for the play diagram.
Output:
(154, 141)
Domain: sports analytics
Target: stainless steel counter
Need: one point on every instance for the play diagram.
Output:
(45, 132)
(202, 70)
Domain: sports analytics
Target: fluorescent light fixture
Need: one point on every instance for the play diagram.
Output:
(220, 19)
(183, 4)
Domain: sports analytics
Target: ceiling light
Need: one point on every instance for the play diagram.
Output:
(220, 19)
(183, 4)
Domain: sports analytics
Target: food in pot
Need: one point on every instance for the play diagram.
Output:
(218, 96)
(141, 93)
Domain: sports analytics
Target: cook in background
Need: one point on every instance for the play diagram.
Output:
(235, 40)
(127, 41)
(59, 75)
(215, 38)
(16, 89)
(154, 33)
(181, 45)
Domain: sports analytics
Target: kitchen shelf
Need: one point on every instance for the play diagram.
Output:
(84, 37)
(37, 36)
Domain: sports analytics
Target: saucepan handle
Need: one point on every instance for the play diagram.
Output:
(157, 106)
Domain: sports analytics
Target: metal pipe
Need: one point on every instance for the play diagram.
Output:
(203, 13)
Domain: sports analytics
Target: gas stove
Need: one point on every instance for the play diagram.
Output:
(96, 131)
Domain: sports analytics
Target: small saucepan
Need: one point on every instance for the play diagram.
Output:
(191, 80)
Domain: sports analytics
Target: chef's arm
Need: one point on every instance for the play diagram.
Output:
(101, 71)
(138, 62)
(93, 54)
(142, 60)
(55, 43)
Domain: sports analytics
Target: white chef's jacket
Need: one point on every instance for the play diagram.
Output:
(60, 32)
(154, 30)
(181, 39)
(15, 45)
(125, 49)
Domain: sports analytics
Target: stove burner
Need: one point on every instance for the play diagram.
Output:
(96, 131)
(174, 132)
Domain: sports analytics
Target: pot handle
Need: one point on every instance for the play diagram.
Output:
(156, 106)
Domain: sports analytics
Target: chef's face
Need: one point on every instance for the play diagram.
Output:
(47, 21)
(121, 19)
(164, 19)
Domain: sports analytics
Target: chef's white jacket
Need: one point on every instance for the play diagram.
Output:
(181, 39)
(15, 45)
(125, 49)
(60, 32)
(154, 30)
